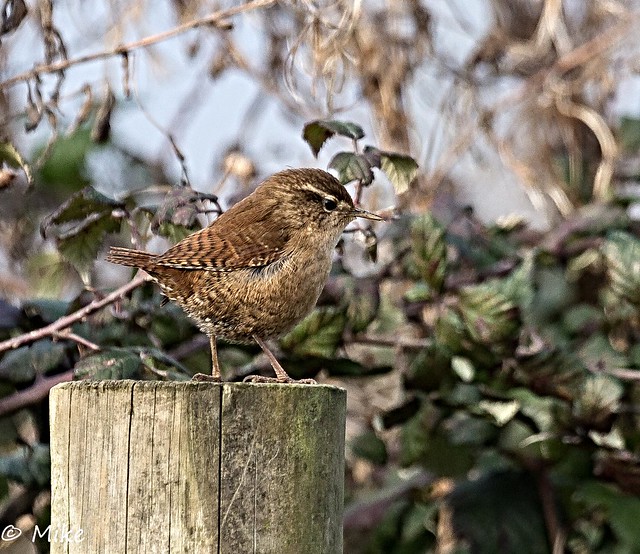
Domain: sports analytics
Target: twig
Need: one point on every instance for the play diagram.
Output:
(216, 19)
(33, 394)
(196, 344)
(382, 340)
(557, 537)
(621, 373)
(67, 321)
(69, 335)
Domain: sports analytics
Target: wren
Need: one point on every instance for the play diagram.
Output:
(259, 268)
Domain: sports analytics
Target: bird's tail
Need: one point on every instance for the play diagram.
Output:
(130, 258)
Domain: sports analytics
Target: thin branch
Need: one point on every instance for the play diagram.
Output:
(386, 340)
(69, 335)
(556, 534)
(185, 349)
(621, 373)
(216, 19)
(65, 322)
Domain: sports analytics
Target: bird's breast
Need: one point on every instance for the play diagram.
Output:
(266, 301)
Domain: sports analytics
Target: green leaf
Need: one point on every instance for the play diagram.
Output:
(541, 409)
(115, 363)
(491, 311)
(428, 258)
(499, 512)
(79, 206)
(174, 233)
(622, 252)
(80, 246)
(28, 465)
(464, 368)
(464, 394)
(431, 368)
(352, 167)
(10, 155)
(151, 356)
(23, 364)
(169, 324)
(64, 168)
(623, 511)
(420, 292)
(369, 447)
(598, 399)
(403, 528)
(489, 316)
(597, 351)
(518, 285)
(400, 170)
(47, 309)
(582, 318)
(424, 443)
(319, 334)
(318, 132)
(462, 428)
(451, 332)
(80, 225)
(502, 412)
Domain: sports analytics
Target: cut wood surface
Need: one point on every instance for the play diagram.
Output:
(149, 466)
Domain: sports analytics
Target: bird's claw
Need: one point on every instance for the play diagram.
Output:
(282, 381)
(204, 378)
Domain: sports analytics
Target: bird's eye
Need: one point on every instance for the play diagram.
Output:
(329, 204)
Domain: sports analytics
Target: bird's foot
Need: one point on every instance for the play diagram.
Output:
(280, 380)
(204, 378)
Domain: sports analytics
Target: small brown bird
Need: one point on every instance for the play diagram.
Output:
(259, 268)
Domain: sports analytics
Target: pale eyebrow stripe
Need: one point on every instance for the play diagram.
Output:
(319, 192)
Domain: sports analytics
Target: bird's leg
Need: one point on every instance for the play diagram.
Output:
(281, 374)
(215, 365)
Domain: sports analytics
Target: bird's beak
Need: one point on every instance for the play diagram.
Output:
(357, 212)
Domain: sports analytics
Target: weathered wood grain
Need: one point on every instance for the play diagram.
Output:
(197, 467)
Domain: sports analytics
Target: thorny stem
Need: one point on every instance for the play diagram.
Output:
(64, 322)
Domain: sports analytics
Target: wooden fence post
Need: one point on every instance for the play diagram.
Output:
(150, 466)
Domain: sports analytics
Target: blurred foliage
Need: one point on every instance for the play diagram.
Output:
(519, 404)
(514, 355)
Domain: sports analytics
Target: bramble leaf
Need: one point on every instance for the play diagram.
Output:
(318, 132)
(369, 447)
(23, 364)
(115, 363)
(352, 167)
(319, 334)
(28, 465)
(622, 253)
(400, 170)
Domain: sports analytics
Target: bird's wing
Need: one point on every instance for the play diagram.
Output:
(228, 248)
